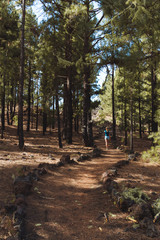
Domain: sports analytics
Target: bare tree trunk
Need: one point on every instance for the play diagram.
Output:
(11, 104)
(90, 130)
(53, 114)
(154, 97)
(69, 110)
(131, 128)
(44, 119)
(140, 118)
(85, 113)
(58, 120)
(20, 106)
(8, 120)
(65, 119)
(3, 108)
(32, 109)
(113, 105)
(37, 113)
(29, 98)
(125, 114)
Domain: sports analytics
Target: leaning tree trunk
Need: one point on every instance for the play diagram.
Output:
(20, 99)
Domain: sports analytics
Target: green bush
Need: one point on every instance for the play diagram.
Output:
(135, 194)
(156, 206)
(153, 154)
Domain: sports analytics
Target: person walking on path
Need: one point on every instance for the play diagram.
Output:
(106, 137)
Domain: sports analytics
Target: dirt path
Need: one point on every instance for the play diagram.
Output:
(71, 204)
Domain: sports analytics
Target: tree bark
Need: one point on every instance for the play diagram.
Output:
(8, 119)
(69, 110)
(58, 120)
(3, 108)
(125, 114)
(29, 98)
(53, 114)
(86, 86)
(21, 82)
(85, 113)
(113, 106)
(131, 127)
(44, 120)
(154, 97)
(32, 108)
(140, 118)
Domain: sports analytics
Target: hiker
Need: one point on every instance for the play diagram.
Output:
(106, 137)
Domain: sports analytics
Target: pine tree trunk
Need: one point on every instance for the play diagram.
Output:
(125, 113)
(69, 111)
(113, 105)
(53, 115)
(86, 88)
(125, 124)
(37, 114)
(44, 120)
(131, 127)
(11, 104)
(65, 119)
(3, 108)
(29, 98)
(58, 120)
(8, 119)
(8, 103)
(154, 97)
(140, 118)
(85, 113)
(90, 131)
(32, 109)
(89, 127)
(20, 97)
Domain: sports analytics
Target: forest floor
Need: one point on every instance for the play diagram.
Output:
(69, 203)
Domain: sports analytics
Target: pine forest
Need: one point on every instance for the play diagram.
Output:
(79, 90)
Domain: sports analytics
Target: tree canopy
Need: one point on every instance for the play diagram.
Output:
(62, 55)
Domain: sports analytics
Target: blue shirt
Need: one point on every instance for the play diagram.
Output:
(106, 133)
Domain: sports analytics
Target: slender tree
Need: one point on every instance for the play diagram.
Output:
(21, 81)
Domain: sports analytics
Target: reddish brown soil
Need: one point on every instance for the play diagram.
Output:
(69, 203)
